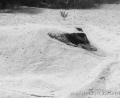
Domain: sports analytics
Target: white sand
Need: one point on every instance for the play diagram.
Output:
(34, 65)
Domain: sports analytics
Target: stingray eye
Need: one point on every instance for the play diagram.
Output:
(79, 29)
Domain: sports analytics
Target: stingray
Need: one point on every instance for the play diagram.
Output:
(78, 39)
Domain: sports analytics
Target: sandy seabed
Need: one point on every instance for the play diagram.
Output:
(34, 65)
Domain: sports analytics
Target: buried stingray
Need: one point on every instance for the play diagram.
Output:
(77, 40)
(74, 39)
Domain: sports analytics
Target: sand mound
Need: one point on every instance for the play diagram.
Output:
(25, 50)
(33, 64)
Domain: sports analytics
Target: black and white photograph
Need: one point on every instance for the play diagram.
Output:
(59, 48)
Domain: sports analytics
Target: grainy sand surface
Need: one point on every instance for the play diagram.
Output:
(34, 65)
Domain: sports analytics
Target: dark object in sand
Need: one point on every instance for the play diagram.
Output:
(74, 39)
(79, 29)
(80, 39)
